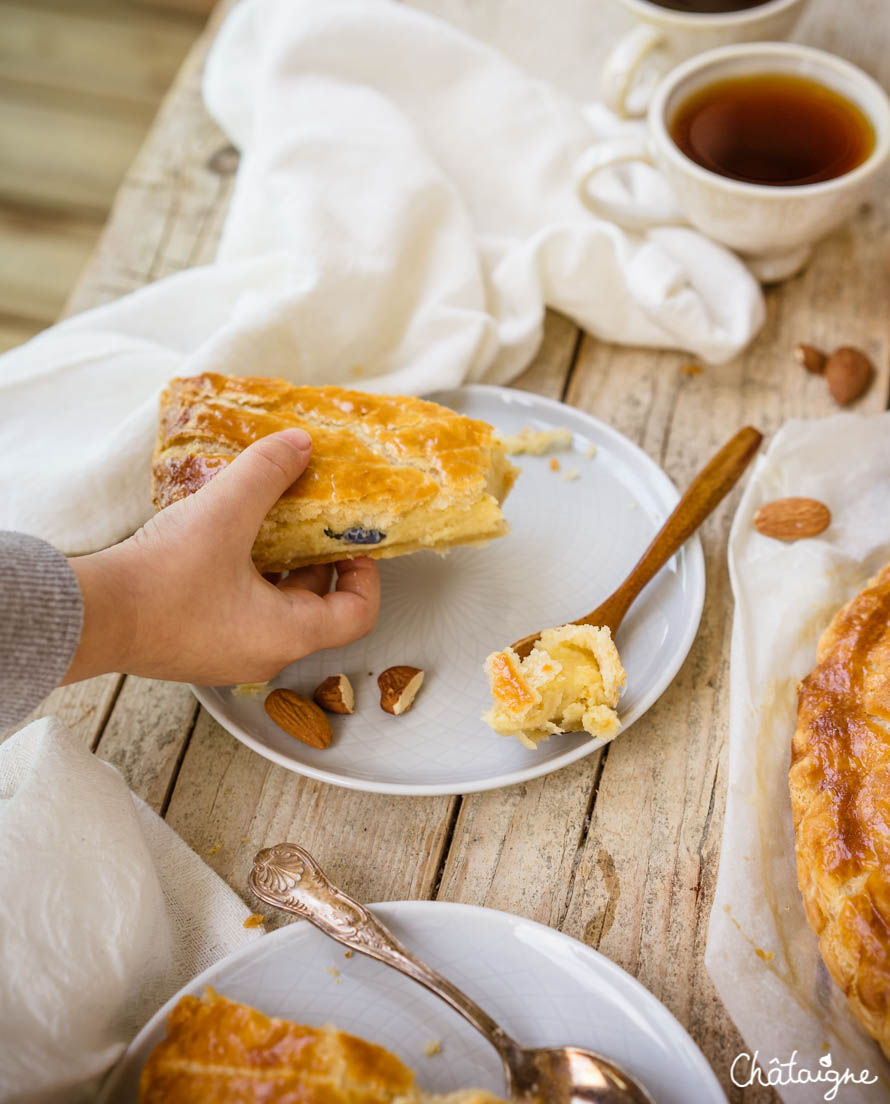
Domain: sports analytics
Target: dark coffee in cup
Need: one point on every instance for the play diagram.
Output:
(772, 128)
(708, 7)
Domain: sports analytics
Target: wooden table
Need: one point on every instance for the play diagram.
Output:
(619, 850)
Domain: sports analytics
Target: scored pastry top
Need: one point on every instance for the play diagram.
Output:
(217, 1049)
(372, 448)
(840, 795)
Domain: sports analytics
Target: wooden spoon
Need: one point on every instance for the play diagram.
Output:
(710, 487)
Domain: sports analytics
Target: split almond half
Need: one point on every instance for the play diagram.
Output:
(299, 717)
(790, 519)
(335, 695)
(398, 688)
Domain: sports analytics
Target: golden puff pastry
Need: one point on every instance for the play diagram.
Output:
(840, 796)
(219, 1052)
(571, 680)
(388, 475)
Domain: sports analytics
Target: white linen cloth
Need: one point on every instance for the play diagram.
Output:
(104, 914)
(761, 952)
(404, 210)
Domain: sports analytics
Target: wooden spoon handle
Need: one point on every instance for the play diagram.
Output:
(709, 488)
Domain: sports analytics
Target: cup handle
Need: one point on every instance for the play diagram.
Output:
(605, 155)
(623, 63)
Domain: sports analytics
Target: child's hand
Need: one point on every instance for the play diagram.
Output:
(182, 600)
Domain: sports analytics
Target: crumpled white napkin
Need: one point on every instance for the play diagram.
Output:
(104, 914)
(404, 210)
(761, 952)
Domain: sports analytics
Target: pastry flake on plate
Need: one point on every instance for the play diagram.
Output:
(536, 442)
(389, 474)
(570, 681)
(840, 797)
(217, 1050)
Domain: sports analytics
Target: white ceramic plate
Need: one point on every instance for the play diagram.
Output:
(571, 543)
(543, 987)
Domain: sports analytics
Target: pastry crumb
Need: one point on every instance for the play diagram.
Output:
(570, 681)
(554, 464)
(213, 850)
(250, 689)
(245, 839)
(590, 452)
(765, 956)
(335, 973)
(255, 920)
(348, 954)
(571, 474)
(535, 442)
(432, 1047)
(692, 369)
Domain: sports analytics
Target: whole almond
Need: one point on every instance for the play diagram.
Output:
(335, 695)
(398, 688)
(299, 717)
(848, 373)
(791, 519)
(811, 358)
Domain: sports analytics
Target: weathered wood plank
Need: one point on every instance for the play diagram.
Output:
(16, 331)
(548, 373)
(83, 707)
(97, 48)
(146, 733)
(43, 252)
(175, 192)
(229, 802)
(64, 151)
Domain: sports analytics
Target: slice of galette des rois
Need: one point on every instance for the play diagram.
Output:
(389, 474)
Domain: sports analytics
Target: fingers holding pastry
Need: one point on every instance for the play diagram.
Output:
(241, 495)
(345, 613)
(316, 577)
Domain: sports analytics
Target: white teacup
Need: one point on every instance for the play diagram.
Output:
(662, 37)
(772, 227)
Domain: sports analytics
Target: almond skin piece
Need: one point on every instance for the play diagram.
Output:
(848, 373)
(335, 695)
(790, 519)
(299, 717)
(398, 688)
(811, 358)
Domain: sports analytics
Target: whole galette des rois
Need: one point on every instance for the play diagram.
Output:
(840, 797)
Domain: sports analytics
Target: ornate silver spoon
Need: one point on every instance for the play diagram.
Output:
(287, 877)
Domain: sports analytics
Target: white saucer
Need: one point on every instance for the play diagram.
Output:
(543, 987)
(571, 543)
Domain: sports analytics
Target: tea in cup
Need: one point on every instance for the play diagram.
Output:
(767, 147)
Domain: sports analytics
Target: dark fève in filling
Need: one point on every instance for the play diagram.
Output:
(773, 129)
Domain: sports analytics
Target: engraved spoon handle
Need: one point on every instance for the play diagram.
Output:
(287, 877)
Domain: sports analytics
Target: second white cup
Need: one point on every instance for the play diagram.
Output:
(661, 37)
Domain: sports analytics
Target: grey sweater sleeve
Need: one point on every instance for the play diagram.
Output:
(41, 615)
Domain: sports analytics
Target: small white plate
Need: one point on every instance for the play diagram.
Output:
(544, 988)
(571, 543)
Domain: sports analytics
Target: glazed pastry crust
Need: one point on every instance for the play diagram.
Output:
(414, 471)
(840, 796)
(220, 1052)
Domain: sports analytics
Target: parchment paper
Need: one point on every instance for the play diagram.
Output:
(761, 953)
